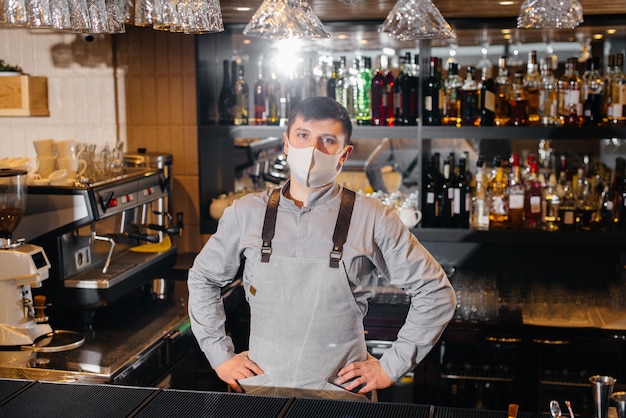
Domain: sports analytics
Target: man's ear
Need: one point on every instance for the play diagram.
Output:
(286, 143)
(346, 154)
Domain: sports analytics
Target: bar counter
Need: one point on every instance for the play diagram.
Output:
(21, 398)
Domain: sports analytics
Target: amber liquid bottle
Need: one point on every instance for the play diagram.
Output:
(531, 85)
(498, 198)
(273, 100)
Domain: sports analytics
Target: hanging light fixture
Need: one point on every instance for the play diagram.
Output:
(285, 19)
(550, 14)
(416, 19)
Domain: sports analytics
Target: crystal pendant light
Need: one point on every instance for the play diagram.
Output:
(284, 19)
(550, 14)
(416, 19)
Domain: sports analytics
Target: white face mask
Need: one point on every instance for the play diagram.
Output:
(313, 168)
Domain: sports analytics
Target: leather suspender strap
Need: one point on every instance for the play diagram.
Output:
(341, 227)
(269, 225)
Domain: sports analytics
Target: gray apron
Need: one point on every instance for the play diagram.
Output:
(305, 324)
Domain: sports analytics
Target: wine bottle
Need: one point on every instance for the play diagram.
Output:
(516, 191)
(462, 202)
(379, 103)
(487, 98)
(363, 116)
(227, 99)
(260, 96)
(242, 97)
(431, 103)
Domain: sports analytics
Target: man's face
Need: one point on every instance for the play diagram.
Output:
(326, 135)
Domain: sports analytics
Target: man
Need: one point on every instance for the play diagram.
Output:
(313, 255)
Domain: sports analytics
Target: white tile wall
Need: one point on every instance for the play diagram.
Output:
(148, 100)
(81, 94)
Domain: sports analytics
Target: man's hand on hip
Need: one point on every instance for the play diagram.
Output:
(238, 367)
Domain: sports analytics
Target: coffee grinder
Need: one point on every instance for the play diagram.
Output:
(22, 266)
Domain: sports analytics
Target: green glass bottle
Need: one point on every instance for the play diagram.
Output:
(363, 116)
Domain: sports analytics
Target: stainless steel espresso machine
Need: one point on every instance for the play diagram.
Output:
(96, 238)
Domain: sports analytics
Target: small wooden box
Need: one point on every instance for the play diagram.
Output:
(23, 95)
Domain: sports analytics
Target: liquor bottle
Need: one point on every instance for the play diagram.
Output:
(469, 99)
(498, 198)
(518, 104)
(503, 91)
(430, 203)
(479, 218)
(516, 195)
(567, 208)
(586, 204)
(353, 89)
(341, 85)
(273, 100)
(551, 204)
(414, 87)
(379, 104)
(548, 96)
(452, 95)
(487, 101)
(331, 85)
(391, 83)
(260, 96)
(322, 76)
(618, 192)
(226, 104)
(531, 85)
(593, 93)
(569, 92)
(431, 104)
(447, 195)
(310, 84)
(400, 90)
(294, 89)
(607, 78)
(462, 197)
(363, 116)
(618, 91)
(533, 199)
(242, 98)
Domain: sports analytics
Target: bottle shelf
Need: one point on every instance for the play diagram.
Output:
(469, 132)
(523, 237)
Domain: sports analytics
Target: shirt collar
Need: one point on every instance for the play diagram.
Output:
(316, 198)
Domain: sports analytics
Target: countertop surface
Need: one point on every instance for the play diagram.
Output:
(121, 333)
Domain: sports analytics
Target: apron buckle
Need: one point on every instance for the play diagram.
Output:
(335, 256)
(266, 251)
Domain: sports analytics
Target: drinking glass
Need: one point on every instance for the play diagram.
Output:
(15, 12)
(79, 15)
(416, 19)
(550, 14)
(283, 19)
(38, 13)
(60, 14)
(144, 11)
(98, 20)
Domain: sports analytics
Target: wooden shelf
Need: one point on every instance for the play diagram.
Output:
(23, 95)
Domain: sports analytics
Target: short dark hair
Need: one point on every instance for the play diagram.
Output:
(322, 107)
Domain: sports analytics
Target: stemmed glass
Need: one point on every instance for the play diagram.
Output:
(284, 19)
(550, 14)
(416, 19)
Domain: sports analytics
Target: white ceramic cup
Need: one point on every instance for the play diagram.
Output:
(58, 177)
(75, 166)
(65, 148)
(44, 147)
(47, 165)
(411, 217)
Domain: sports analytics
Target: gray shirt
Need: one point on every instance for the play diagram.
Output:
(380, 251)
